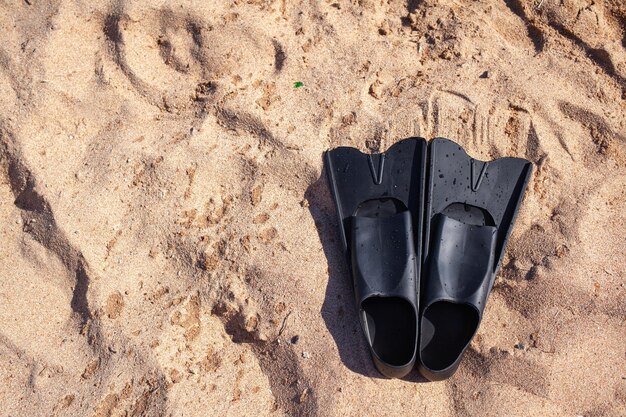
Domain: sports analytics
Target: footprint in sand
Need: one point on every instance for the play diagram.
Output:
(177, 60)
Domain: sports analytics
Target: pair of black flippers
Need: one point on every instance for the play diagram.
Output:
(424, 228)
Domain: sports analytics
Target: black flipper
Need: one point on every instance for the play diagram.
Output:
(380, 199)
(469, 215)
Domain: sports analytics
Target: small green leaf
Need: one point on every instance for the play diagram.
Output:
(298, 84)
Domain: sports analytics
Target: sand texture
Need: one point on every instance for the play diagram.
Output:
(169, 245)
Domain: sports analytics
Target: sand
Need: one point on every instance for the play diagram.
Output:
(169, 243)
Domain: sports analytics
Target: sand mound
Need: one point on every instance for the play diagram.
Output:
(170, 246)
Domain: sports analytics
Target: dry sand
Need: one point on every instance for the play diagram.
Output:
(169, 244)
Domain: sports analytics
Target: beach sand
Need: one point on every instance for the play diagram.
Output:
(170, 245)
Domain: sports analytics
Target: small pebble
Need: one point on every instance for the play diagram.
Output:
(304, 394)
(484, 75)
(306, 355)
(295, 339)
(519, 346)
